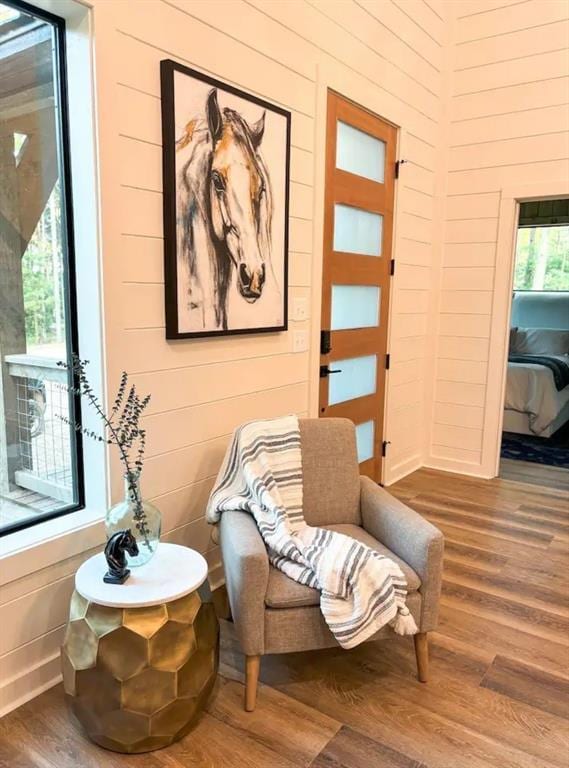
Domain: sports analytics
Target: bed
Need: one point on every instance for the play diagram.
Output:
(537, 383)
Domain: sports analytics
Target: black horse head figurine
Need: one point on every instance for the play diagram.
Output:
(117, 545)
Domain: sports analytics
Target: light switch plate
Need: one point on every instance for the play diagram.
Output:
(300, 341)
(300, 308)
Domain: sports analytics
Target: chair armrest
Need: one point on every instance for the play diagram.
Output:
(410, 537)
(246, 566)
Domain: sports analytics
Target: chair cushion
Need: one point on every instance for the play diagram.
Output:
(305, 629)
(283, 592)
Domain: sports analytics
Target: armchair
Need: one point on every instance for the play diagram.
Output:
(272, 613)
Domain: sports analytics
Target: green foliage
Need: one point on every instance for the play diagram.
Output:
(42, 272)
(542, 259)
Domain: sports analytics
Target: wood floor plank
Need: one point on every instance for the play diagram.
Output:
(448, 487)
(559, 548)
(535, 621)
(22, 744)
(491, 543)
(493, 527)
(540, 572)
(17, 752)
(503, 639)
(533, 686)
(215, 743)
(498, 492)
(382, 673)
(274, 720)
(554, 523)
(50, 730)
(546, 513)
(380, 711)
(457, 696)
(461, 647)
(534, 473)
(350, 749)
(547, 498)
(547, 598)
(469, 555)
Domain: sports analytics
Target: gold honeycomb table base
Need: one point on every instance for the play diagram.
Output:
(137, 678)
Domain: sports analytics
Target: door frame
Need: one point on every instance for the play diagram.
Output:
(510, 200)
(355, 88)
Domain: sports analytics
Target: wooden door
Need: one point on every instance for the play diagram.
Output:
(357, 268)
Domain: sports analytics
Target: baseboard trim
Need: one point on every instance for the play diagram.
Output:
(216, 576)
(401, 470)
(457, 467)
(30, 683)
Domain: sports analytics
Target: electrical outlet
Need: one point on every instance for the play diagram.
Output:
(300, 308)
(300, 341)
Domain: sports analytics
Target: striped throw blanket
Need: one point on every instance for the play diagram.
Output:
(361, 590)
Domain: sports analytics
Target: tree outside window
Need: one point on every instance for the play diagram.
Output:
(542, 259)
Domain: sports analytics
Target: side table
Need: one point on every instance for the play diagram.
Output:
(140, 659)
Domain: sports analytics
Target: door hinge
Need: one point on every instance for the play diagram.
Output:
(387, 361)
(398, 165)
(384, 447)
(392, 267)
(325, 343)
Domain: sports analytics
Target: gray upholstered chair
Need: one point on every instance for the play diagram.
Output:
(272, 613)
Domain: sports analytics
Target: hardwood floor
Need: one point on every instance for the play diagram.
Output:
(498, 694)
(535, 474)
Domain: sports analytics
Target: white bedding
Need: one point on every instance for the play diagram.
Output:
(530, 389)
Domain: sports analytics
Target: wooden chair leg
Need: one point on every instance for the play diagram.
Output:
(422, 655)
(252, 664)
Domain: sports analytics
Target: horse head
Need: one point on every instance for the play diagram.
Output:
(240, 195)
(129, 544)
(117, 545)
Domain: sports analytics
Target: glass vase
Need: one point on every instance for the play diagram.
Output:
(145, 525)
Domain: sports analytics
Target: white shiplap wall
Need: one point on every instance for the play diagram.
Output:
(386, 54)
(509, 127)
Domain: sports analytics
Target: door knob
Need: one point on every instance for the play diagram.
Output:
(325, 371)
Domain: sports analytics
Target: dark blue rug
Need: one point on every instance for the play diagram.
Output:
(553, 451)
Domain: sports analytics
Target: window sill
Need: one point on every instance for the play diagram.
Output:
(39, 546)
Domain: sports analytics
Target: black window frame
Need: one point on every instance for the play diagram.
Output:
(69, 262)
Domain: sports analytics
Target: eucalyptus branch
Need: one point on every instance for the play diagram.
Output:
(121, 428)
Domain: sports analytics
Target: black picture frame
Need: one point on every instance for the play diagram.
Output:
(168, 68)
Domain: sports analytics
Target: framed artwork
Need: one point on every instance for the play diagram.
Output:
(226, 158)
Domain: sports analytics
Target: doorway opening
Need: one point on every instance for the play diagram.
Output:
(535, 436)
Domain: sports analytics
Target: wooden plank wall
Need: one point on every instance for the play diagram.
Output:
(509, 123)
(277, 49)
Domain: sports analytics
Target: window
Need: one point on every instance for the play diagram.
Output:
(542, 259)
(542, 249)
(40, 458)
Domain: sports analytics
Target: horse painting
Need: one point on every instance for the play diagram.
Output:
(227, 277)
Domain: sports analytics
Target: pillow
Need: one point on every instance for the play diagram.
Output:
(542, 341)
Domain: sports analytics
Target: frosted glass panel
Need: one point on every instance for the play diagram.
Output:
(364, 440)
(357, 231)
(356, 380)
(355, 306)
(358, 152)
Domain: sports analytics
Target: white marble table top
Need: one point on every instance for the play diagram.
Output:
(173, 572)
